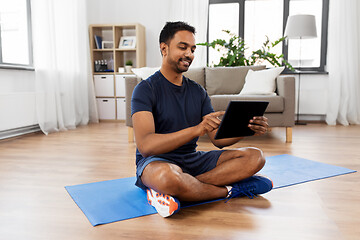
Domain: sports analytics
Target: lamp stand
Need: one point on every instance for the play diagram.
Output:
(297, 122)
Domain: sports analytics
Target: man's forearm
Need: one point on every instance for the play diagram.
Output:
(220, 143)
(155, 144)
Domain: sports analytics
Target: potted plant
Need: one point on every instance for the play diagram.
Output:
(235, 49)
(128, 66)
(235, 52)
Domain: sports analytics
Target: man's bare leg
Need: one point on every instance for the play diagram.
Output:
(233, 166)
(169, 179)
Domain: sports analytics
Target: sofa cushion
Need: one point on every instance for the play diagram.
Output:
(276, 103)
(227, 80)
(144, 72)
(196, 74)
(261, 82)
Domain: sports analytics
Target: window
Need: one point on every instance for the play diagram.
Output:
(310, 48)
(253, 20)
(15, 34)
(263, 18)
(219, 16)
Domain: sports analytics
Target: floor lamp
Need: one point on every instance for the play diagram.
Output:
(300, 27)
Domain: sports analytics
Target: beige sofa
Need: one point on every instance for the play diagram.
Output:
(224, 84)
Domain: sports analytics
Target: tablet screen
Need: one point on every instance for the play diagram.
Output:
(237, 116)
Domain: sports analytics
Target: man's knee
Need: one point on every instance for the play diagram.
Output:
(168, 179)
(164, 178)
(255, 157)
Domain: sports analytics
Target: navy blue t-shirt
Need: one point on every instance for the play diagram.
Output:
(174, 107)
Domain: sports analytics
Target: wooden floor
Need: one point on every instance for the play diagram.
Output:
(34, 204)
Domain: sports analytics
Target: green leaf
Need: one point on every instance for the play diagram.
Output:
(235, 52)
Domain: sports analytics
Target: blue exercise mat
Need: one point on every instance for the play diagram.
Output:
(116, 200)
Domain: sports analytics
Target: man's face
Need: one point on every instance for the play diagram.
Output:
(179, 52)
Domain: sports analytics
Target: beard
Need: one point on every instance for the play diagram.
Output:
(180, 65)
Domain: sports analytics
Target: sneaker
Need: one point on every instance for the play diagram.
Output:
(251, 187)
(165, 205)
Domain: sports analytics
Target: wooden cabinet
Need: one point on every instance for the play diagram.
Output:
(113, 45)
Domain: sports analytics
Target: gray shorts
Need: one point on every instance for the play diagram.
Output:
(192, 163)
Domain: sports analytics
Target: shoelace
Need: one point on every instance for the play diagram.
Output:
(239, 192)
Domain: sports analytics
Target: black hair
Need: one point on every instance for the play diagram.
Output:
(170, 28)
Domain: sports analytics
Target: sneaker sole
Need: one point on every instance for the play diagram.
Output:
(163, 208)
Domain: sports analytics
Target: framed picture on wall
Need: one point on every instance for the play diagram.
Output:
(127, 42)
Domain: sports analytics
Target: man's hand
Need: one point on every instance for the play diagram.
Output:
(210, 122)
(259, 125)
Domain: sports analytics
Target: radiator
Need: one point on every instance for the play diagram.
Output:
(17, 113)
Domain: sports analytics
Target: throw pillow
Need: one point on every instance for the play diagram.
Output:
(144, 72)
(261, 82)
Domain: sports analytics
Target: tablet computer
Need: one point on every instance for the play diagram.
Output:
(237, 116)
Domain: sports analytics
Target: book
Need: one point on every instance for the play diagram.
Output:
(98, 41)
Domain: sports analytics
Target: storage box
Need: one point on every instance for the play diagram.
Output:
(120, 84)
(106, 108)
(121, 108)
(104, 85)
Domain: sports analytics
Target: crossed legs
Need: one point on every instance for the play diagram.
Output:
(232, 166)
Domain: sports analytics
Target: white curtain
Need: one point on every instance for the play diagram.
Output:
(194, 13)
(344, 62)
(65, 96)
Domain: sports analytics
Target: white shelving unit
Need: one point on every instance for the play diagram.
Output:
(110, 85)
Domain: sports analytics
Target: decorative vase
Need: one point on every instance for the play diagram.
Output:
(128, 69)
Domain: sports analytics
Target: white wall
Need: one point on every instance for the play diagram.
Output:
(313, 96)
(17, 110)
(16, 81)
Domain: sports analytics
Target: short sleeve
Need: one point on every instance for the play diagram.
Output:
(142, 98)
(206, 106)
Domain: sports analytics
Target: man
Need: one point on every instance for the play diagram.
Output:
(169, 113)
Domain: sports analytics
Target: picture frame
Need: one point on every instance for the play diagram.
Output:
(107, 44)
(127, 42)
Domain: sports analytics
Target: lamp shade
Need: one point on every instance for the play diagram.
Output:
(300, 26)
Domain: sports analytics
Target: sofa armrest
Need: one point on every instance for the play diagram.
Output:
(285, 86)
(130, 83)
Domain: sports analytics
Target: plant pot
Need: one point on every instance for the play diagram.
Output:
(128, 69)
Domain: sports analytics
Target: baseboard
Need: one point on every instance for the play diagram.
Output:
(311, 118)
(19, 131)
